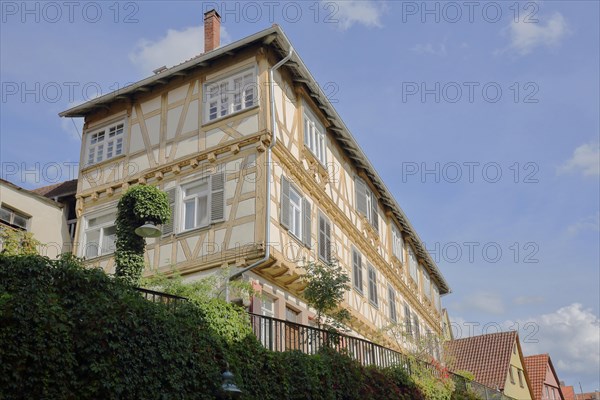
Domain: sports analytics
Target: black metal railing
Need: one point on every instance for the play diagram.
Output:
(280, 335)
(170, 300)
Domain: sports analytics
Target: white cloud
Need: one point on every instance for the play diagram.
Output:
(350, 12)
(571, 336)
(591, 223)
(586, 158)
(487, 302)
(428, 48)
(526, 36)
(172, 49)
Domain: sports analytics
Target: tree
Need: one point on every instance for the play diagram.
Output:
(326, 285)
(139, 205)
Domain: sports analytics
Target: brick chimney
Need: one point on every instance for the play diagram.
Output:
(212, 30)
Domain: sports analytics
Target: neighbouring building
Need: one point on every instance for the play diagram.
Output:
(567, 391)
(262, 175)
(63, 193)
(495, 359)
(26, 210)
(542, 375)
(589, 396)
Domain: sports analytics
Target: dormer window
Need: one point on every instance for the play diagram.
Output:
(230, 95)
(105, 143)
(314, 136)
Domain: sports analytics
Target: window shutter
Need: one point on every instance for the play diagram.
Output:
(374, 214)
(217, 197)
(361, 195)
(306, 228)
(324, 239)
(357, 269)
(285, 203)
(167, 228)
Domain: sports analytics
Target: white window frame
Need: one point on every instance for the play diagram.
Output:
(213, 190)
(315, 138)
(223, 99)
(101, 250)
(9, 214)
(397, 243)
(267, 329)
(195, 198)
(105, 142)
(296, 217)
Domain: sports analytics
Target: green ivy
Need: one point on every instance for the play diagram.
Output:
(140, 204)
(72, 333)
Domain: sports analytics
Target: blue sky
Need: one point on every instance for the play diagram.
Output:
(464, 92)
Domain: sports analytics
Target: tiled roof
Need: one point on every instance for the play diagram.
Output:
(486, 356)
(568, 392)
(536, 367)
(58, 189)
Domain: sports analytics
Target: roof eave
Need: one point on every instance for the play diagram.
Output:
(83, 109)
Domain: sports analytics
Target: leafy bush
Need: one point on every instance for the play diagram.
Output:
(74, 333)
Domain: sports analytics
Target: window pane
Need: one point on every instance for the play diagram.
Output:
(197, 188)
(189, 209)
(92, 243)
(20, 221)
(202, 211)
(109, 240)
(101, 220)
(5, 215)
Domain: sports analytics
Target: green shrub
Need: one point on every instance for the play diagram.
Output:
(72, 333)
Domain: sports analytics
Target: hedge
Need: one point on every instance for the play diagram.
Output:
(72, 333)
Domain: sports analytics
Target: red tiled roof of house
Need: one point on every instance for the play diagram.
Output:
(486, 356)
(568, 392)
(536, 367)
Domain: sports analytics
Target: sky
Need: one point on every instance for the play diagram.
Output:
(481, 117)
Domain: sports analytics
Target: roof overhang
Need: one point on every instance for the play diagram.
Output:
(276, 38)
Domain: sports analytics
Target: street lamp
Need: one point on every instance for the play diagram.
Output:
(148, 230)
(228, 385)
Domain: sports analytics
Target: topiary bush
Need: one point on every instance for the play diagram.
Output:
(140, 204)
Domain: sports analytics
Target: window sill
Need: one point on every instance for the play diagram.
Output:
(102, 163)
(209, 124)
(358, 291)
(191, 232)
(295, 238)
(99, 258)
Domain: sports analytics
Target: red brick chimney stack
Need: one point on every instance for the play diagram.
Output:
(212, 30)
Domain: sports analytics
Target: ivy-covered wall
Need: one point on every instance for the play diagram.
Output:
(72, 333)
